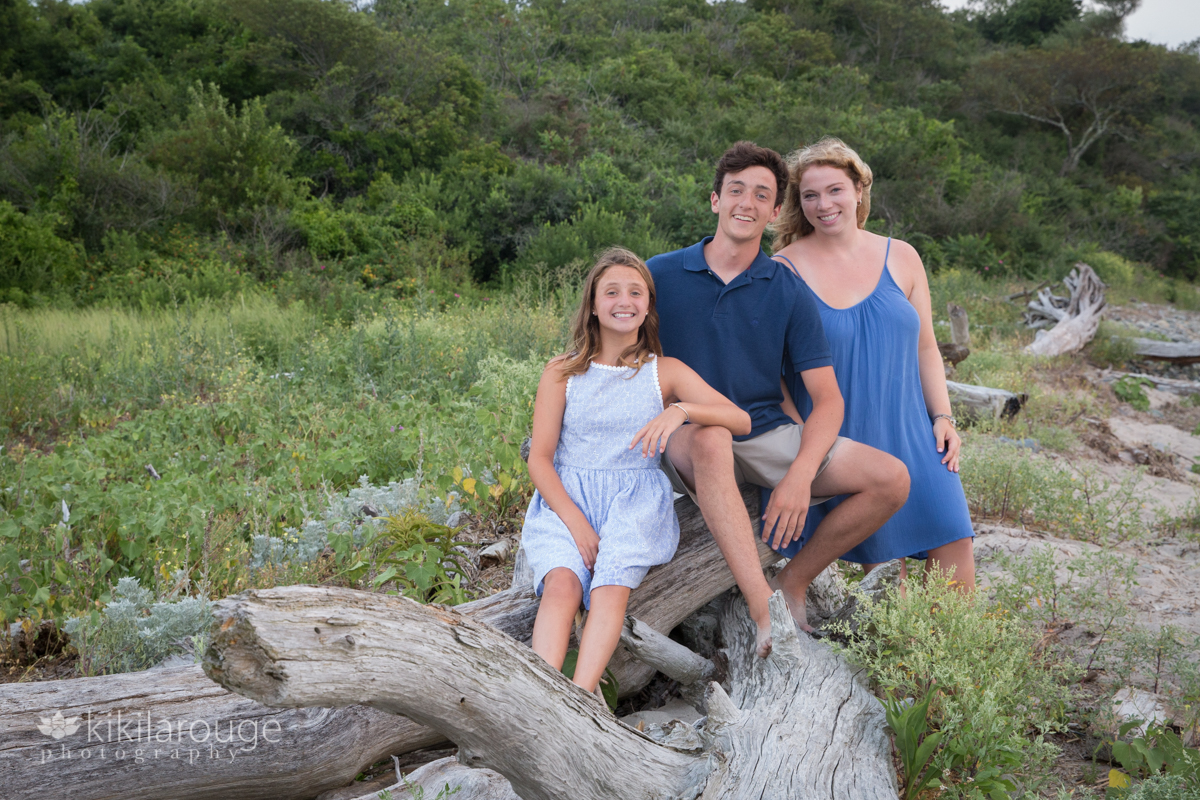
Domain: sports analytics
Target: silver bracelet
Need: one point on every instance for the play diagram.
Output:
(952, 420)
(686, 416)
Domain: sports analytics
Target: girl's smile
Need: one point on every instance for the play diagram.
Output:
(622, 300)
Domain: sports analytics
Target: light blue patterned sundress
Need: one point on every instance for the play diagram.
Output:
(627, 498)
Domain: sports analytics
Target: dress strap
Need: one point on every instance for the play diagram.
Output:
(789, 263)
(887, 252)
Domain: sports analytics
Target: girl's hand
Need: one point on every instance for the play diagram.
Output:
(587, 541)
(949, 442)
(657, 431)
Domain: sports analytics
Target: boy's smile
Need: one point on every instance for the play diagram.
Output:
(746, 204)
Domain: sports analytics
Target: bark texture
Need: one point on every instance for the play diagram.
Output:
(1175, 352)
(798, 724)
(503, 706)
(173, 733)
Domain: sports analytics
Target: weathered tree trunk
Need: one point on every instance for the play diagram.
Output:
(668, 595)
(173, 733)
(1076, 322)
(1175, 352)
(797, 724)
(974, 402)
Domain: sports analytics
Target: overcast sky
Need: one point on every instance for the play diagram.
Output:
(1169, 22)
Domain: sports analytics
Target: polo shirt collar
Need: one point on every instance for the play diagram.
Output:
(763, 265)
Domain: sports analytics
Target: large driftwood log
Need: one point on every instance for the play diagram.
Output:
(670, 593)
(1075, 323)
(974, 402)
(797, 724)
(1175, 352)
(173, 733)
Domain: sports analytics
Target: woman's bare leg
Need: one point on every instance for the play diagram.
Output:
(958, 560)
(561, 595)
(601, 633)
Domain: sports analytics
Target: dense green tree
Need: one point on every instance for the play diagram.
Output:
(1026, 21)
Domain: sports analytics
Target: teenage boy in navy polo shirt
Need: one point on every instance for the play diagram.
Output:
(738, 318)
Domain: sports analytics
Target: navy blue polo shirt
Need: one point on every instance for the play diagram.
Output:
(739, 336)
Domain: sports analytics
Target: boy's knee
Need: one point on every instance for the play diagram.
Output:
(712, 441)
(896, 482)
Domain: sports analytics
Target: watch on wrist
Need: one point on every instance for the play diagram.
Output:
(953, 422)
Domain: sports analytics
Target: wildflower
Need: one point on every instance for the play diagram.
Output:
(456, 294)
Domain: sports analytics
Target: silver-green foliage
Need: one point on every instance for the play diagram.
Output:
(135, 630)
(344, 517)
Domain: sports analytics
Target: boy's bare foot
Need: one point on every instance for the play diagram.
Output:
(795, 605)
(763, 643)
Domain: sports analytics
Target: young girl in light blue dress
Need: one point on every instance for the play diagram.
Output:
(603, 512)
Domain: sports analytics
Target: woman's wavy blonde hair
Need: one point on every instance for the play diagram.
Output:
(829, 152)
(585, 330)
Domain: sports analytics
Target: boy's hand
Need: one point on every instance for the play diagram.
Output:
(787, 510)
(587, 541)
(657, 431)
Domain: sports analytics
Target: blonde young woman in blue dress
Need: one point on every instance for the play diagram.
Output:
(604, 511)
(873, 297)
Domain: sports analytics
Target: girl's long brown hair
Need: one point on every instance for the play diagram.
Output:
(585, 331)
(829, 152)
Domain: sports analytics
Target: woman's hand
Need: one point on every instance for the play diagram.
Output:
(948, 441)
(657, 431)
(587, 541)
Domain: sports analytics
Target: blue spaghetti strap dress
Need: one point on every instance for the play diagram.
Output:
(874, 346)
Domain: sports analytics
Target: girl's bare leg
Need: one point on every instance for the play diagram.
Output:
(600, 634)
(561, 595)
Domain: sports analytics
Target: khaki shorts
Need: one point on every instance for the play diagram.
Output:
(762, 461)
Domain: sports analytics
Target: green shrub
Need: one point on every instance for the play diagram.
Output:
(992, 689)
(1112, 346)
(588, 232)
(1133, 391)
(34, 260)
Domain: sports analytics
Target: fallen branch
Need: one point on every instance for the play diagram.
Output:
(1175, 352)
(1075, 319)
(974, 402)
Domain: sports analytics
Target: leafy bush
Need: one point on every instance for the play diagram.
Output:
(134, 631)
(34, 260)
(1132, 390)
(588, 232)
(991, 687)
(419, 556)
